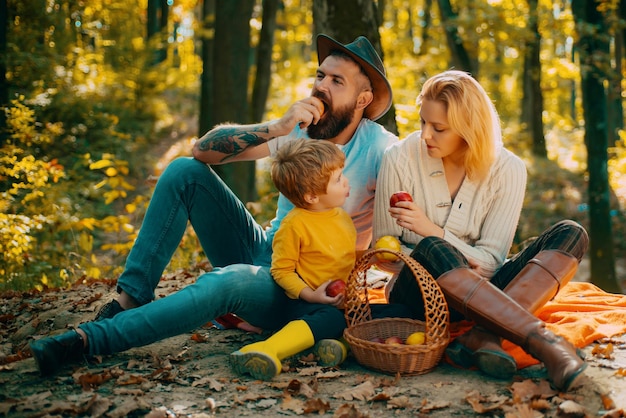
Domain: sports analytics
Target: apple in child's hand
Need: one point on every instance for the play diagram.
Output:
(335, 288)
(401, 196)
(394, 341)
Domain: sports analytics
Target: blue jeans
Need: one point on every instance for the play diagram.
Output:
(246, 290)
(190, 191)
(236, 245)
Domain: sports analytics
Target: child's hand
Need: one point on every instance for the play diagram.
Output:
(319, 296)
(337, 301)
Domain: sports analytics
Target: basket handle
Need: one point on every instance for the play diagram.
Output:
(357, 306)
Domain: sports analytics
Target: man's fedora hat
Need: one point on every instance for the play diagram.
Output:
(362, 51)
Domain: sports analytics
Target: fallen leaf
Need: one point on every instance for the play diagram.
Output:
(522, 410)
(482, 404)
(98, 406)
(400, 402)
(527, 389)
(290, 403)
(349, 411)
(360, 392)
(607, 402)
(571, 409)
(211, 382)
(603, 351)
(296, 387)
(431, 406)
(316, 405)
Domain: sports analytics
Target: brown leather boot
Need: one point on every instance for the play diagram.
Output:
(541, 279)
(538, 282)
(491, 308)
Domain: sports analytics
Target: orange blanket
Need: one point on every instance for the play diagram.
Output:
(581, 312)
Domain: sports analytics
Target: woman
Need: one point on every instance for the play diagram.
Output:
(468, 192)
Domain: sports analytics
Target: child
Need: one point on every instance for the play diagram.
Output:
(314, 245)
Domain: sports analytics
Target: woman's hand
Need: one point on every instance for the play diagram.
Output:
(410, 216)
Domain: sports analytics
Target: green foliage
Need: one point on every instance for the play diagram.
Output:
(93, 109)
(27, 193)
(72, 172)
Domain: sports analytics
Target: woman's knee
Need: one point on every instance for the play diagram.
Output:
(571, 237)
(438, 256)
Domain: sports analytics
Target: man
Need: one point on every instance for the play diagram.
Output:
(349, 93)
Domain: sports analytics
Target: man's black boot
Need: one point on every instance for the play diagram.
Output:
(52, 353)
(108, 310)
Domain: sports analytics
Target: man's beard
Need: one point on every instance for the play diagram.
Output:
(332, 124)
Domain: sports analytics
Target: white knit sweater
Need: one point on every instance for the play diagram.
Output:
(482, 220)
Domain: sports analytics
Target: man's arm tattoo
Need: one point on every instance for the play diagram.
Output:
(233, 140)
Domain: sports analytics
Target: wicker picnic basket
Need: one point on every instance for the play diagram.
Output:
(387, 358)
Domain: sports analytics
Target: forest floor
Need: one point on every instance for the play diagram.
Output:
(189, 375)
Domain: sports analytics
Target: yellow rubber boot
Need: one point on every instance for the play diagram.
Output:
(330, 353)
(262, 360)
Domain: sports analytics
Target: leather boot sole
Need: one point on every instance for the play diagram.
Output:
(497, 364)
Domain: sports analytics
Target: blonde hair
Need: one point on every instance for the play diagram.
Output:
(471, 114)
(305, 166)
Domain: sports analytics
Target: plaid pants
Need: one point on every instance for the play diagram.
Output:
(438, 256)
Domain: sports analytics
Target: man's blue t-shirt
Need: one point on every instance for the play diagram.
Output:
(364, 153)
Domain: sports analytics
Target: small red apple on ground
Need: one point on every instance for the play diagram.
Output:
(335, 288)
(394, 341)
(400, 196)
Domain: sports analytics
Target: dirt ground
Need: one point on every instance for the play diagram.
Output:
(189, 376)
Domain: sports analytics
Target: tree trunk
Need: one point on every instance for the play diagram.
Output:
(152, 22)
(616, 109)
(231, 65)
(424, 24)
(207, 119)
(345, 21)
(532, 100)
(460, 58)
(594, 54)
(157, 15)
(4, 87)
(263, 77)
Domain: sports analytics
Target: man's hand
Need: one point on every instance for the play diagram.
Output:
(304, 112)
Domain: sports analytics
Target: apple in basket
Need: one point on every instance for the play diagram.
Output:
(417, 338)
(394, 341)
(388, 242)
(335, 288)
(378, 340)
(400, 196)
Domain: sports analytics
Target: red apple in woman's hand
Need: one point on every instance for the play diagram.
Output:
(335, 288)
(401, 196)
